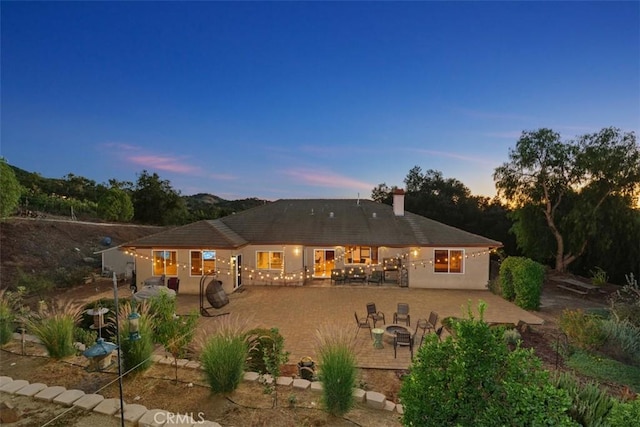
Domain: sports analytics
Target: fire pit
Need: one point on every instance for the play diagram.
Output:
(390, 332)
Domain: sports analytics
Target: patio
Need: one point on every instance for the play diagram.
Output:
(297, 312)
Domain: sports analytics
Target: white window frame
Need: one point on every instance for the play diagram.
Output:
(449, 250)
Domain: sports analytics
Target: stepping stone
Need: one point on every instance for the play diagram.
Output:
(359, 394)
(400, 408)
(49, 393)
(4, 380)
(316, 386)
(208, 424)
(181, 363)
(251, 376)
(285, 381)
(88, 401)
(133, 412)
(301, 384)
(193, 365)
(14, 386)
(389, 406)
(376, 400)
(70, 397)
(108, 407)
(31, 389)
(153, 418)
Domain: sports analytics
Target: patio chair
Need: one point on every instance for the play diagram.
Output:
(429, 324)
(362, 323)
(402, 339)
(374, 314)
(338, 276)
(173, 283)
(402, 314)
(376, 277)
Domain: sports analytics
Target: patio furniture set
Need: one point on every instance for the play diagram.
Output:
(356, 274)
(396, 334)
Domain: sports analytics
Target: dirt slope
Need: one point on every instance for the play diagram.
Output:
(44, 245)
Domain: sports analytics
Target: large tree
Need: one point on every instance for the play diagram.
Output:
(568, 181)
(156, 202)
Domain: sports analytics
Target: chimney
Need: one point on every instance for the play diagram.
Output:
(398, 202)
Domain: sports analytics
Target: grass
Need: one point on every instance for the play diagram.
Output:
(605, 370)
(54, 325)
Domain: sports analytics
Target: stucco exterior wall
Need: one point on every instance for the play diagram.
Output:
(475, 271)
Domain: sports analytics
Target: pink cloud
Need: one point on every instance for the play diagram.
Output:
(327, 179)
(170, 164)
(456, 156)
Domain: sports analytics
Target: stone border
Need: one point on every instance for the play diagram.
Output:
(143, 417)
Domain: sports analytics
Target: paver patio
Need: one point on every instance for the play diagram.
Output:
(298, 311)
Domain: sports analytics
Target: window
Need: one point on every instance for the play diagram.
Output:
(361, 255)
(165, 262)
(202, 262)
(269, 260)
(448, 261)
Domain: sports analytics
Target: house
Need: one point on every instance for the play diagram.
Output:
(114, 260)
(296, 241)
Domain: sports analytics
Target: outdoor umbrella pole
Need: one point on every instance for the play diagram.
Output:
(115, 297)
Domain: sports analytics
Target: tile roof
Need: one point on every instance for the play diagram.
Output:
(316, 222)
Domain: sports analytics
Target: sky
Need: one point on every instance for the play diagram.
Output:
(306, 99)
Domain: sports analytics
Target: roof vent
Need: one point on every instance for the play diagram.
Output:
(330, 214)
(374, 215)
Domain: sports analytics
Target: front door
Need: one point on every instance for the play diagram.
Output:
(324, 260)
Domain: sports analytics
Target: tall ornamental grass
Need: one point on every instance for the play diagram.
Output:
(136, 354)
(224, 355)
(54, 325)
(338, 372)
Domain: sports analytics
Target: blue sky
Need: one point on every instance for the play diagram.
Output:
(306, 99)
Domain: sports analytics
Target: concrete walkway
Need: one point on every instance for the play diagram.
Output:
(298, 312)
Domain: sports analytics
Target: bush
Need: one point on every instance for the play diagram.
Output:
(338, 371)
(34, 284)
(583, 330)
(475, 380)
(590, 404)
(162, 308)
(85, 336)
(54, 325)
(599, 277)
(7, 318)
(622, 341)
(224, 355)
(261, 344)
(521, 280)
(506, 278)
(624, 414)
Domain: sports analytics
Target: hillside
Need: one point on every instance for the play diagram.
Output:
(45, 246)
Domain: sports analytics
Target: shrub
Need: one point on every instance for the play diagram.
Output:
(224, 355)
(262, 342)
(85, 336)
(179, 333)
(599, 277)
(624, 414)
(506, 278)
(528, 278)
(54, 325)
(475, 380)
(583, 330)
(590, 404)
(511, 336)
(34, 284)
(622, 340)
(338, 372)
(136, 354)
(163, 310)
(7, 318)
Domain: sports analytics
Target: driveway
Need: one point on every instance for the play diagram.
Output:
(298, 311)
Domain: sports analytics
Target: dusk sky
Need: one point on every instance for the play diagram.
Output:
(306, 99)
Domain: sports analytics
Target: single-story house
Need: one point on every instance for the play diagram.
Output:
(115, 260)
(296, 241)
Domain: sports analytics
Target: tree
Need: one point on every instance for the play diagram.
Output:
(156, 202)
(11, 190)
(569, 182)
(115, 205)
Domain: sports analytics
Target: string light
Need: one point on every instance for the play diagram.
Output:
(228, 266)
